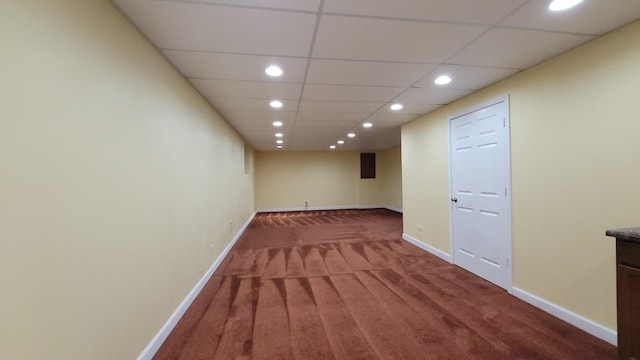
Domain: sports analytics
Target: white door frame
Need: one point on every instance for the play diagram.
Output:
(505, 99)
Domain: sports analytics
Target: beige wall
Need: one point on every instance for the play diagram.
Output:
(286, 180)
(117, 181)
(574, 154)
(390, 161)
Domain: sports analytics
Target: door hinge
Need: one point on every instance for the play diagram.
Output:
(505, 191)
(504, 122)
(506, 261)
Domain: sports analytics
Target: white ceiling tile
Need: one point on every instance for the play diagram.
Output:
(335, 131)
(287, 117)
(299, 143)
(466, 77)
(197, 26)
(266, 135)
(431, 96)
(194, 64)
(366, 140)
(262, 124)
(590, 17)
(270, 139)
(380, 138)
(248, 89)
(313, 135)
(338, 106)
(367, 54)
(263, 132)
(330, 118)
(516, 48)
(365, 73)
(299, 5)
(250, 104)
(390, 119)
(341, 37)
(409, 109)
(462, 11)
(380, 127)
(326, 137)
(349, 93)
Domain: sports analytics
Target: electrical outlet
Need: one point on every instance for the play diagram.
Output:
(306, 204)
(230, 227)
(420, 228)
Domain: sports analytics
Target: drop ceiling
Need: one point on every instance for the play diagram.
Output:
(346, 61)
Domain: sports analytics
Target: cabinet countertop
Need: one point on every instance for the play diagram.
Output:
(629, 234)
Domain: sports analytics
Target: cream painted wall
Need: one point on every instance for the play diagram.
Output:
(574, 154)
(288, 179)
(325, 179)
(117, 181)
(391, 177)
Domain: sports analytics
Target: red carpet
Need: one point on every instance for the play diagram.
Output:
(343, 285)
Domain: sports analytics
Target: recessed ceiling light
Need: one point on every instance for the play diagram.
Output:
(332, 147)
(279, 146)
(559, 5)
(279, 141)
(442, 80)
(274, 71)
(277, 123)
(351, 135)
(340, 142)
(279, 135)
(276, 104)
(396, 106)
(367, 125)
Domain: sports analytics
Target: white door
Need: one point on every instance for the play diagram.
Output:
(480, 190)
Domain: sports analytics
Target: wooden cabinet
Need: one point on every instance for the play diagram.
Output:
(628, 292)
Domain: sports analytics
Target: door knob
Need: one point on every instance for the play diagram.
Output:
(455, 200)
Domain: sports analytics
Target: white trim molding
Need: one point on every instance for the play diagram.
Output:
(593, 328)
(428, 248)
(336, 207)
(590, 326)
(152, 348)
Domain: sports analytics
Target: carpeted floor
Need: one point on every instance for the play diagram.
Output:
(343, 285)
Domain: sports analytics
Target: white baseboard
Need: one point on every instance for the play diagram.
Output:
(308, 208)
(149, 352)
(593, 328)
(336, 207)
(439, 253)
(572, 318)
